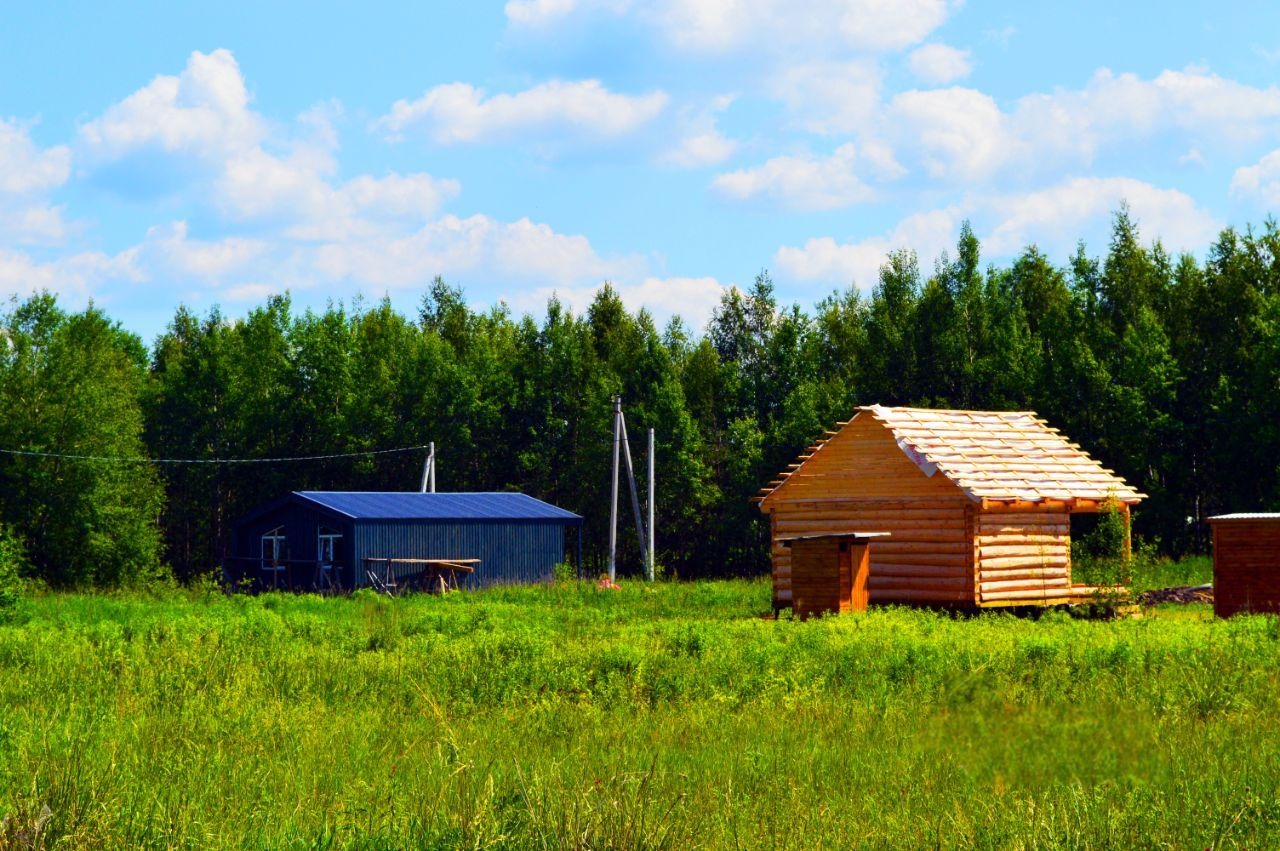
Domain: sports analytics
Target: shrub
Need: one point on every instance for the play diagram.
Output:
(13, 565)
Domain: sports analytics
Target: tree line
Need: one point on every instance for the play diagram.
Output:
(1166, 368)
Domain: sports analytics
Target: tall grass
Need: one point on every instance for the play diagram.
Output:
(665, 717)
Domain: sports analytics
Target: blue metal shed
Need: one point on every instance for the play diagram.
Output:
(310, 539)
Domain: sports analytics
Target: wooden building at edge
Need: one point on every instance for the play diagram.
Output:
(977, 504)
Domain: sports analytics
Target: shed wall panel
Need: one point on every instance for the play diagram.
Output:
(1246, 566)
(510, 552)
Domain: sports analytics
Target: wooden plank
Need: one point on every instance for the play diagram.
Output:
(1020, 548)
(986, 541)
(915, 595)
(1029, 595)
(878, 558)
(1005, 575)
(896, 569)
(944, 583)
(1031, 560)
(989, 588)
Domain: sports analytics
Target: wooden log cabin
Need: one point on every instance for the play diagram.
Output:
(978, 505)
(1246, 564)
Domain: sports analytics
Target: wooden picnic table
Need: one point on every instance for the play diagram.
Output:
(434, 575)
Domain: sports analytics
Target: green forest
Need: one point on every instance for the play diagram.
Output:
(1166, 368)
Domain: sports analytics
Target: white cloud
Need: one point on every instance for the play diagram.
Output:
(75, 278)
(26, 168)
(824, 259)
(34, 223)
(701, 149)
(830, 97)
(806, 182)
(721, 26)
(939, 63)
(169, 251)
(296, 192)
(1260, 181)
(523, 251)
(203, 111)
(1116, 107)
(702, 143)
(202, 119)
(1056, 217)
(458, 112)
(961, 133)
(538, 12)
(692, 299)
(1053, 218)
(28, 174)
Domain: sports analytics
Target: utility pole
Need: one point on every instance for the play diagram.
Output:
(429, 470)
(613, 501)
(649, 565)
(635, 497)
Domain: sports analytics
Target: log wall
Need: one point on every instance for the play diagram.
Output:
(927, 559)
(1246, 566)
(1022, 556)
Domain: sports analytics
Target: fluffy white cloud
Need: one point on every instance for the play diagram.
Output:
(701, 149)
(168, 251)
(1260, 181)
(692, 299)
(824, 259)
(807, 182)
(28, 174)
(1117, 107)
(76, 278)
(24, 167)
(1052, 218)
(476, 246)
(1056, 217)
(960, 133)
(939, 63)
(702, 143)
(458, 112)
(538, 12)
(830, 97)
(202, 118)
(204, 110)
(295, 192)
(718, 26)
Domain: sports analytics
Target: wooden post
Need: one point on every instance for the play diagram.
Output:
(652, 557)
(613, 500)
(1128, 533)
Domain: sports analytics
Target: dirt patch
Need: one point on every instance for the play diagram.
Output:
(1181, 594)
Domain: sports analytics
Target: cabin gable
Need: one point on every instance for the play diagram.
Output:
(862, 461)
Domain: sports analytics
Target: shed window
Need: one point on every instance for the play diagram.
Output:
(328, 545)
(272, 546)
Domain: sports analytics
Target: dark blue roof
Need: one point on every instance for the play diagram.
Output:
(438, 506)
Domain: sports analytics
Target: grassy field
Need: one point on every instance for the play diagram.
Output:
(672, 716)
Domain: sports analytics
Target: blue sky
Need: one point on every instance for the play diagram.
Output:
(152, 155)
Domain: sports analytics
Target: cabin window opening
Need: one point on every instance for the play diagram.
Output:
(273, 547)
(328, 545)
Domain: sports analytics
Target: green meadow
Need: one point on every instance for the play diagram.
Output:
(672, 716)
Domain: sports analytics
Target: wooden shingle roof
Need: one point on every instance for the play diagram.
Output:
(998, 456)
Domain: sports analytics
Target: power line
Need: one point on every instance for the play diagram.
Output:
(119, 459)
